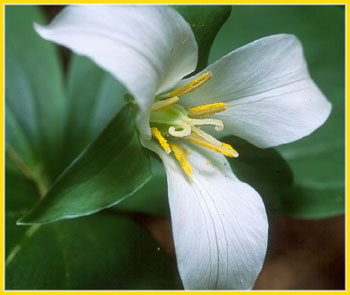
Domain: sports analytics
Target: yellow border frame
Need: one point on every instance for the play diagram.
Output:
(347, 54)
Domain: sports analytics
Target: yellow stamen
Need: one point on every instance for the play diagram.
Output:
(162, 141)
(208, 109)
(182, 158)
(229, 147)
(194, 84)
(205, 136)
(164, 104)
(229, 152)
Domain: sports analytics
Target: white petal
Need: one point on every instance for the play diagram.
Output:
(219, 223)
(148, 48)
(272, 98)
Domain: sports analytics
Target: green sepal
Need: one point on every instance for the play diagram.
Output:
(110, 169)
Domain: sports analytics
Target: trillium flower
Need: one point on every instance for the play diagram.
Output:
(261, 92)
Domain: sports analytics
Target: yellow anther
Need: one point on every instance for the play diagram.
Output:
(194, 84)
(162, 141)
(182, 158)
(208, 109)
(207, 162)
(205, 136)
(164, 104)
(229, 147)
(194, 138)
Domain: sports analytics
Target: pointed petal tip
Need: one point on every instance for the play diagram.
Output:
(272, 98)
(37, 28)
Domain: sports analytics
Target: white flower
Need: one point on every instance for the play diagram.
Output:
(261, 92)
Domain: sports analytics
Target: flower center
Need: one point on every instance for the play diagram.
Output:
(170, 121)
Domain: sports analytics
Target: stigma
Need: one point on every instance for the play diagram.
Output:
(170, 121)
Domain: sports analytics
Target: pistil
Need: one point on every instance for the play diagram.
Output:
(219, 126)
(171, 120)
(185, 130)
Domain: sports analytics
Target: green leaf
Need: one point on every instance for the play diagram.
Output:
(112, 168)
(35, 101)
(94, 98)
(268, 172)
(317, 161)
(205, 21)
(96, 252)
(152, 198)
(305, 202)
(21, 194)
(103, 251)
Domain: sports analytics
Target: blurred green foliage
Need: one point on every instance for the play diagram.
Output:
(35, 98)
